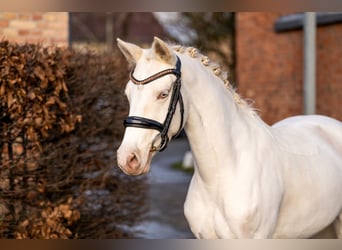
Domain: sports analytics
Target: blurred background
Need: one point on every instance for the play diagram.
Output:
(62, 106)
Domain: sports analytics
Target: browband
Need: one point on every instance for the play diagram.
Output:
(162, 73)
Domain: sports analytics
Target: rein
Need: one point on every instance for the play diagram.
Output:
(163, 128)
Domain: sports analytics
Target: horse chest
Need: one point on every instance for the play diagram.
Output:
(204, 214)
(206, 220)
(224, 214)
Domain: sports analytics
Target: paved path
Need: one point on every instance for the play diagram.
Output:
(167, 190)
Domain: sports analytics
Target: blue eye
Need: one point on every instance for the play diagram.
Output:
(163, 94)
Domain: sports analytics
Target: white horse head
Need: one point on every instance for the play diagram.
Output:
(151, 92)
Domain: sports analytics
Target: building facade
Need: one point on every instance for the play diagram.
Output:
(269, 66)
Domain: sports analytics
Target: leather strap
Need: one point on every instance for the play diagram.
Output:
(141, 122)
(160, 74)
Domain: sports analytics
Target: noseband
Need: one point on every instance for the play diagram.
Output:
(163, 128)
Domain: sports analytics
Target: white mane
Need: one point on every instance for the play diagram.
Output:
(216, 70)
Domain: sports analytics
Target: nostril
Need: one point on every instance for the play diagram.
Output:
(133, 161)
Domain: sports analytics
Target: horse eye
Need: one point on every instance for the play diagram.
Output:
(163, 94)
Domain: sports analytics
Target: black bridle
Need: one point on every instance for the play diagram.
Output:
(141, 122)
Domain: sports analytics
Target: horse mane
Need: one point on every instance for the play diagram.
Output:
(216, 70)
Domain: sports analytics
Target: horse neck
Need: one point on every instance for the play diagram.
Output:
(224, 135)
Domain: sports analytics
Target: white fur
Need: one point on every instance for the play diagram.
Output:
(251, 180)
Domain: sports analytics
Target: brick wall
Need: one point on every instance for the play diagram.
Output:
(270, 67)
(43, 27)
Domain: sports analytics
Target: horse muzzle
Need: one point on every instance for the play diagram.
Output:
(132, 163)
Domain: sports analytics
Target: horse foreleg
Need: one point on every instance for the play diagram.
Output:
(338, 226)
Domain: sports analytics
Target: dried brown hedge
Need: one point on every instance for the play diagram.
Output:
(60, 124)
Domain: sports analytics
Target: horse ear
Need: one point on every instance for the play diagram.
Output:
(131, 51)
(162, 51)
